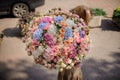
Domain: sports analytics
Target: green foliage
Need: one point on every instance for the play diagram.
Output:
(98, 12)
(116, 13)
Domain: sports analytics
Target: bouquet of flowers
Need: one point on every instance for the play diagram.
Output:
(58, 39)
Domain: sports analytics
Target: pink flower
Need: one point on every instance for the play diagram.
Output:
(48, 40)
(46, 19)
(66, 60)
(34, 42)
(48, 54)
(54, 51)
(63, 54)
(72, 52)
(76, 37)
(82, 45)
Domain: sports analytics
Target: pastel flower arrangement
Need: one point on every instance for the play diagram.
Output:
(58, 39)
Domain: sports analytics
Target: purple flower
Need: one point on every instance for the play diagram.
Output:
(37, 34)
(48, 40)
(82, 34)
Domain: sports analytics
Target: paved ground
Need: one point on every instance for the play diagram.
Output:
(102, 63)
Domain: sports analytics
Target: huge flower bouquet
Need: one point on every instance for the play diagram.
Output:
(58, 39)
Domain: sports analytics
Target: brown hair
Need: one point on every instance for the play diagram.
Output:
(83, 12)
(70, 74)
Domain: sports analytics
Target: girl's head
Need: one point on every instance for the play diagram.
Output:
(83, 12)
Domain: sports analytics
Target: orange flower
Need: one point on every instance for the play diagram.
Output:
(62, 31)
(70, 39)
(32, 48)
(67, 42)
(61, 36)
(76, 34)
(63, 23)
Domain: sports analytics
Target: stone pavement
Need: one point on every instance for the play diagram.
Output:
(102, 63)
(106, 5)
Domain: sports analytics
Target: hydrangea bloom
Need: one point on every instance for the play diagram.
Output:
(42, 25)
(57, 19)
(68, 33)
(70, 23)
(37, 34)
(46, 19)
(48, 40)
(52, 30)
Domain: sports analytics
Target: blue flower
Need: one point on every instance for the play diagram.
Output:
(58, 19)
(37, 34)
(42, 25)
(68, 33)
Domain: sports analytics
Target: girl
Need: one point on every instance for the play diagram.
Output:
(83, 12)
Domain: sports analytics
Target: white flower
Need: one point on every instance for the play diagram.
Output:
(69, 61)
(52, 30)
(38, 52)
(70, 23)
(69, 67)
(61, 69)
(72, 64)
(76, 57)
(63, 65)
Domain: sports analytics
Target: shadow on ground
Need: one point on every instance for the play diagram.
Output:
(107, 24)
(92, 70)
(24, 70)
(6, 16)
(12, 32)
(102, 70)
